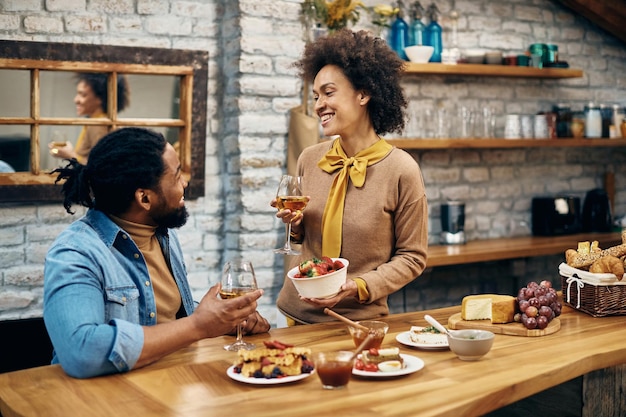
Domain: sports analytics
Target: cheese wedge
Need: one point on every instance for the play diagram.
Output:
(494, 307)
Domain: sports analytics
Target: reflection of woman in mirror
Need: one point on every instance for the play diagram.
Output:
(91, 101)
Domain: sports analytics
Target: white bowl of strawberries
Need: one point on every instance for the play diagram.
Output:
(319, 277)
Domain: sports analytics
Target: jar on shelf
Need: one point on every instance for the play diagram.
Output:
(593, 121)
(617, 118)
(606, 112)
(539, 54)
(578, 125)
(563, 120)
(553, 54)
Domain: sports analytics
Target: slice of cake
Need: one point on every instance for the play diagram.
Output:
(273, 363)
(377, 356)
(494, 307)
(427, 336)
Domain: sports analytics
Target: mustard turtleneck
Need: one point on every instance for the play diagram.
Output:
(166, 293)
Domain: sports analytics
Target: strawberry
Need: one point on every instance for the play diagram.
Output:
(338, 265)
(275, 344)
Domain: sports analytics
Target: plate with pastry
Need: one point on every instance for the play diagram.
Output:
(237, 376)
(385, 363)
(423, 338)
(274, 363)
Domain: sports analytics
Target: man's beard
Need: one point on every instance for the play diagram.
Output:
(173, 219)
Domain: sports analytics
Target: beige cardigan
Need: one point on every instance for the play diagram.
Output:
(385, 232)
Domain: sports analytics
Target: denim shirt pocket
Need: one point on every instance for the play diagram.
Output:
(122, 302)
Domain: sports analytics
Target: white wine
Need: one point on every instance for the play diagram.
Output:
(291, 202)
(234, 292)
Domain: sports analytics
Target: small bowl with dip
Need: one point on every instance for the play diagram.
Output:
(470, 344)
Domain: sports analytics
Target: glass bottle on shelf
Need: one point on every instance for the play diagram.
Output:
(606, 113)
(417, 28)
(593, 121)
(399, 36)
(434, 33)
(453, 54)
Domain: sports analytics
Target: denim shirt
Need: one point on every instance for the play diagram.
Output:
(98, 295)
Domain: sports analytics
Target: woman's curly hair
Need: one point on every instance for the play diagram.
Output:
(98, 83)
(370, 65)
(121, 162)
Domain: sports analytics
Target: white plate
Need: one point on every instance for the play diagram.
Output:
(405, 339)
(264, 381)
(411, 364)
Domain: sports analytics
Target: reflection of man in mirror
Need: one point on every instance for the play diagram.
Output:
(91, 101)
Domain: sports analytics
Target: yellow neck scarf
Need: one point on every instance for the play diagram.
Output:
(353, 168)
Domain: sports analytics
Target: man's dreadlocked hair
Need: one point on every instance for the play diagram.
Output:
(120, 163)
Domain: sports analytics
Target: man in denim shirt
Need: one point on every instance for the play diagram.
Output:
(116, 296)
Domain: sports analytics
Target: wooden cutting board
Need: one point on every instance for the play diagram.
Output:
(512, 329)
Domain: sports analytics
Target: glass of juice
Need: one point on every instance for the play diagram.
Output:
(334, 368)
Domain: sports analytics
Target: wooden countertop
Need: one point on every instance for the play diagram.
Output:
(193, 381)
(510, 248)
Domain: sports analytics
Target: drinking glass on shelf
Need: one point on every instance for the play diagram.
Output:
(289, 196)
(238, 278)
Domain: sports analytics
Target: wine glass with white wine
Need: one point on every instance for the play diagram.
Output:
(289, 196)
(238, 278)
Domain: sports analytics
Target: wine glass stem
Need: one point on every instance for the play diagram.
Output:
(239, 333)
(288, 238)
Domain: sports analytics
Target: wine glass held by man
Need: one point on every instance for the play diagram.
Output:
(116, 295)
(238, 279)
(368, 202)
(91, 101)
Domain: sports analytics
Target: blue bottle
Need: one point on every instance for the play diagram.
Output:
(433, 33)
(399, 36)
(417, 28)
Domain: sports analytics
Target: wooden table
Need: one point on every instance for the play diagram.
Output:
(511, 248)
(193, 381)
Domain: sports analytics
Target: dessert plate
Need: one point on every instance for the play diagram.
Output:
(411, 364)
(405, 339)
(264, 381)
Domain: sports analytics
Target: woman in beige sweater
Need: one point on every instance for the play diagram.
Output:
(367, 198)
(91, 101)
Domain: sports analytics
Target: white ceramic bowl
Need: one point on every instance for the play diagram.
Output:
(470, 344)
(324, 286)
(420, 54)
(474, 56)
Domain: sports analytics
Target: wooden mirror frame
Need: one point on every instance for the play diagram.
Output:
(192, 66)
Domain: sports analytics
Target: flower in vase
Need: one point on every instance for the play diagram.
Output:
(333, 14)
(382, 14)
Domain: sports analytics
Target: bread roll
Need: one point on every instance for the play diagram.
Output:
(608, 264)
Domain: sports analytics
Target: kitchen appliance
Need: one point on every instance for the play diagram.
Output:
(596, 215)
(452, 223)
(555, 215)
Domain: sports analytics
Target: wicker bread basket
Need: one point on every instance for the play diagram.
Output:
(596, 294)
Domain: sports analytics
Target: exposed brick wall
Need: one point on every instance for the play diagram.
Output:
(251, 45)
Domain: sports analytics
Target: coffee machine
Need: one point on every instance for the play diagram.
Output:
(452, 223)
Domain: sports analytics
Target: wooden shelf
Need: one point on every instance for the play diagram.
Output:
(418, 143)
(511, 248)
(491, 70)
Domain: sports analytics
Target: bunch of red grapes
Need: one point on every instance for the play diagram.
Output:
(538, 305)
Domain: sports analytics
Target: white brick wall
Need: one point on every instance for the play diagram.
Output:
(251, 45)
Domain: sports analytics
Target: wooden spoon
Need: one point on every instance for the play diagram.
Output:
(346, 320)
(362, 346)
